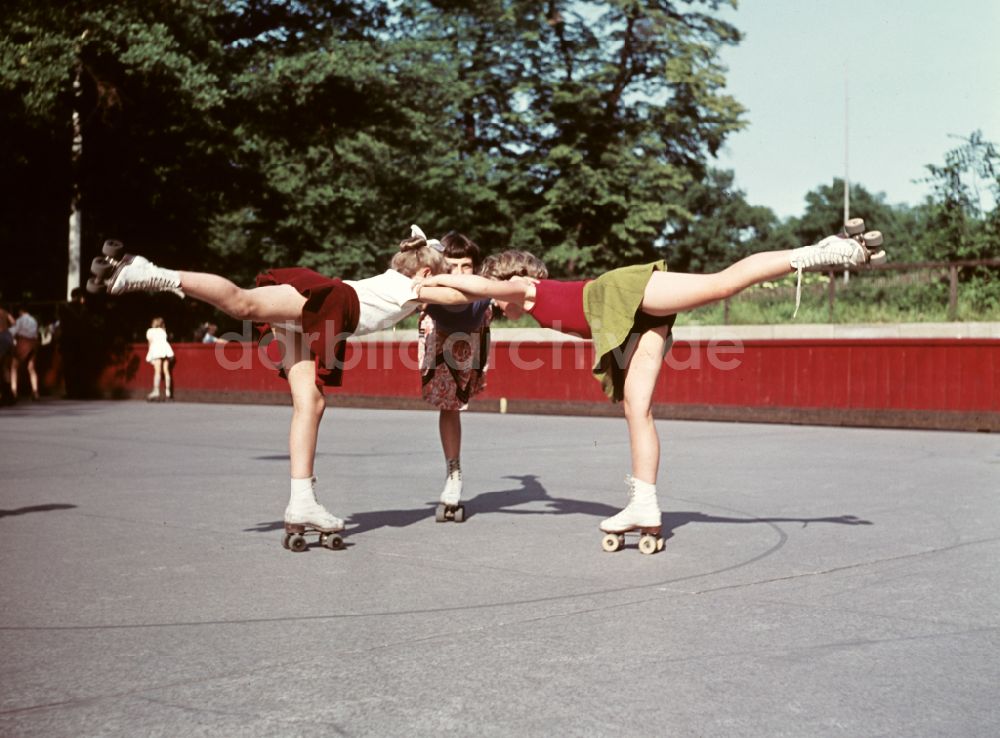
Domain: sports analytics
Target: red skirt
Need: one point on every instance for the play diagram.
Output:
(25, 349)
(329, 316)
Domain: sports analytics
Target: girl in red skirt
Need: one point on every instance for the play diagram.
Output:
(311, 316)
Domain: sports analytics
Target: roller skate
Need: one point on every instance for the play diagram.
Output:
(305, 516)
(449, 507)
(118, 273)
(641, 516)
(852, 247)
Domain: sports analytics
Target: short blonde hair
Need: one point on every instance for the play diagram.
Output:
(157, 323)
(509, 264)
(414, 254)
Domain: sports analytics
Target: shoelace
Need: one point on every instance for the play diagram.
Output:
(798, 293)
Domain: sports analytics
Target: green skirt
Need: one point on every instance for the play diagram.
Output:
(612, 305)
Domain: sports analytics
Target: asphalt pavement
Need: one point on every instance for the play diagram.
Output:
(815, 581)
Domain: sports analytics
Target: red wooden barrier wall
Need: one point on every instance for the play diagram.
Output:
(928, 383)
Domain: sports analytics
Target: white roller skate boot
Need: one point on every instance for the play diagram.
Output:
(118, 273)
(449, 507)
(304, 515)
(851, 248)
(139, 274)
(641, 515)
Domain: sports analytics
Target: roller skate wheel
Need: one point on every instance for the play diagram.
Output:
(459, 514)
(332, 541)
(93, 286)
(612, 542)
(285, 539)
(440, 513)
(659, 544)
(100, 268)
(297, 543)
(854, 226)
(113, 248)
(873, 239)
(647, 544)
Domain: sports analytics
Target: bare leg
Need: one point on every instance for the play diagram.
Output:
(167, 389)
(156, 378)
(668, 293)
(308, 405)
(641, 374)
(450, 428)
(643, 510)
(14, 369)
(271, 304)
(33, 377)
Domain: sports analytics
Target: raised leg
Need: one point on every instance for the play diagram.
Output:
(120, 273)
(668, 293)
(271, 304)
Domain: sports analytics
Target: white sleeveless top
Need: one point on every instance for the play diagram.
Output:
(385, 300)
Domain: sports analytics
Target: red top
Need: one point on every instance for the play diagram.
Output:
(559, 305)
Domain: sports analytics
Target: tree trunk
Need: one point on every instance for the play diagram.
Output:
(75, 216)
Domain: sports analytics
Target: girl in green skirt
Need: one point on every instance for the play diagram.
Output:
(628, 314)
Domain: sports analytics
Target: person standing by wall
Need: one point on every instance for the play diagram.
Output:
(160, 354)
(25, 332)
(6, 355)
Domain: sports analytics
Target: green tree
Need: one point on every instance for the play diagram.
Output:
(721, 228)
(962, 217)
(154, 152)
(824, 215)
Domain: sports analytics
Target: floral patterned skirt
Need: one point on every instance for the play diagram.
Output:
(452, 366)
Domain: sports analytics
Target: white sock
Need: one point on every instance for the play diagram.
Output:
(302, 491)
(644, 491)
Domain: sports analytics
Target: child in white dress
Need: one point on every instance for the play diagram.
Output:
(159, 355)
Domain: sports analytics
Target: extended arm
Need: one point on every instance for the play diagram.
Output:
(515, 290)
(432, 295)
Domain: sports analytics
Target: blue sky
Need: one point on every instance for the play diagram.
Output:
(917, 72)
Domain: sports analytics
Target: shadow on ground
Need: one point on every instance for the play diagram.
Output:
(35, 509)
(508, 502)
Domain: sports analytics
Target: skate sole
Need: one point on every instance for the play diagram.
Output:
(443, 513)
(295, 537)
(650, 540)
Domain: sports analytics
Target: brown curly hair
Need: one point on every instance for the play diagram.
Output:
(509, 264)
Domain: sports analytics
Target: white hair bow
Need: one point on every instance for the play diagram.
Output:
(432, 242)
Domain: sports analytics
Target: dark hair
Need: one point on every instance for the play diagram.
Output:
(459, 246)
